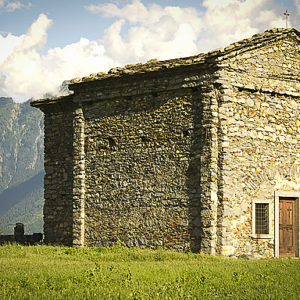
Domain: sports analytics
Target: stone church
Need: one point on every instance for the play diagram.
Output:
(200, 153)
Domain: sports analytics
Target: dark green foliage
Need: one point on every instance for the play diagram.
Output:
(43, 272)
(21, 166)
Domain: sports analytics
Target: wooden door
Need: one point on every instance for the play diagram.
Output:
(286, 227)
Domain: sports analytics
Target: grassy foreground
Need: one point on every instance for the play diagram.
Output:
(44, 272)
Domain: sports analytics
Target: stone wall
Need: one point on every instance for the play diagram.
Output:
(7, 239)
(20, 237)
(260, 147)
(147, 162)
(140, 185)
(58, 182)
(174, 154)
(137, 168)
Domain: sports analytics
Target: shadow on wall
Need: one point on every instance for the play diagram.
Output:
(196, 174)
(202, 166)
(197, 170)
(140, 141)
(199, 176)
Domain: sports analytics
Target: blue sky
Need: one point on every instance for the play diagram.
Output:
(44, 42)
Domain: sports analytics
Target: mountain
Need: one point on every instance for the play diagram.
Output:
(21, 166)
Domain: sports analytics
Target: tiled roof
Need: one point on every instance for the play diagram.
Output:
(156, 65)
(153, 65)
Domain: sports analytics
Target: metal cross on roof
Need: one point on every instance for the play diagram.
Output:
(286, 18)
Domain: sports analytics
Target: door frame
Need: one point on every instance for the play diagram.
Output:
(282, 194)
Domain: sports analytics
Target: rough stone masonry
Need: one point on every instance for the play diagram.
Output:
(187, 153)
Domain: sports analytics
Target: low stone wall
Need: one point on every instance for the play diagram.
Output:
(19, 237)
(5, 239)
(30, 239)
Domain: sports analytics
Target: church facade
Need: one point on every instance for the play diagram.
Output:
(199, 153)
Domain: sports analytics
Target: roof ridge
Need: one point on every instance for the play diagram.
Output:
(155, 64)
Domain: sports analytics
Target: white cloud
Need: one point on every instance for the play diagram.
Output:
(8, 43)
(11, 6)
(78, 59)
(141, 32)
(167, 32)
(295, 17)
(26, 73)
(23, 62)
(297, 4)
(154, 32)
(231, 20)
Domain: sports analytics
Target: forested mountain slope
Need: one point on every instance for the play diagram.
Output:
(21, 166)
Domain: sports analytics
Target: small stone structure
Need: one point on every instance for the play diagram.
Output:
(199, 153)
(20, 237)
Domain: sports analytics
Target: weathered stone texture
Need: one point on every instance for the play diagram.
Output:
(143, 170)
(260, 145)
(58, 182)
(174, 154)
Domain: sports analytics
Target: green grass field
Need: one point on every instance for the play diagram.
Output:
(45, 272)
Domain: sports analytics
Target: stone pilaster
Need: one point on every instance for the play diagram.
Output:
(78, 178)
(209, 198)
